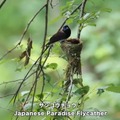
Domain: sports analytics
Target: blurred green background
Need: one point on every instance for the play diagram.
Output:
(100, 55)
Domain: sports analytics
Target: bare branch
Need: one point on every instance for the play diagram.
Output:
(81, 15)
(2, 3)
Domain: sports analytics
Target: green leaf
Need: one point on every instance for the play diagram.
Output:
(69, 21)
(19, 69)
(115, 89)
(82, 91)
(51, 65)
(40, 96)
(91, 24)
(47, 78)
(81, 21)
(76, 81)
(87, 98)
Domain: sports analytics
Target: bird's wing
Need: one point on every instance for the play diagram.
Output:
(58, 36)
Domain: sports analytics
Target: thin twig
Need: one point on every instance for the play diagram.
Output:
(18, 79)
(81, 15)
(2, 3)
(24, 33)
(11, 81)
(46, 25)
(51, 3)
(43, 48)
(43, 71)
(37, 75)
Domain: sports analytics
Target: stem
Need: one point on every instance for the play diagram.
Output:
(81, 15)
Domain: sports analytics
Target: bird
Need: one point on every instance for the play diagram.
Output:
(61, 35)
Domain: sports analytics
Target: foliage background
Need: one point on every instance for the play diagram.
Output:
(100, 55)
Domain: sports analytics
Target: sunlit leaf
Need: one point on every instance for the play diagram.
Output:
(69, 21)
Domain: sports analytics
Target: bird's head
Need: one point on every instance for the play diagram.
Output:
(66, 30)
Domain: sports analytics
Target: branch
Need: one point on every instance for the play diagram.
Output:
(46, 26)
(81, 15)
(39, 68)
(2, 3)
(26, 76)
(24, 33)
(10, 81)
(42, 69)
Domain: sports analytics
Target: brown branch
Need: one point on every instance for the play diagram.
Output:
(24, 33)
(2, 3)
(81, 15)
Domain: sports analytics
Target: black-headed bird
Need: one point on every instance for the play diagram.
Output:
(60, 35)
